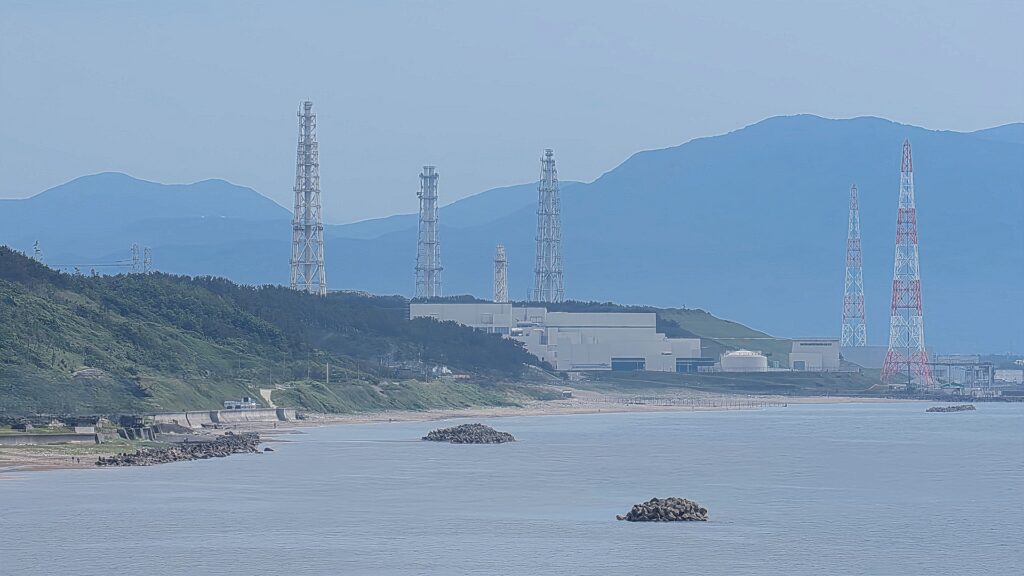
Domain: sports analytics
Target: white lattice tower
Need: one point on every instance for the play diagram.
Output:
(547, 283)
(854, 325)
(428, 246)
(500, 275)
(307, 262)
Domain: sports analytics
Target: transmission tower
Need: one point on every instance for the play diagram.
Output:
(907, 355)
(37, 253)
(500, 275)
(428, 247)
(136, 259)
(147, 260)
(854, 327)
(307, 226)
(547, 281)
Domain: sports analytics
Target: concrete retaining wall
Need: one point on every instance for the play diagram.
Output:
(178, 418)
(23, 439)
(136, 433)
(198, 419)
(240, 416)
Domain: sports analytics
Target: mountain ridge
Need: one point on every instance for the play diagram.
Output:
(728, 223)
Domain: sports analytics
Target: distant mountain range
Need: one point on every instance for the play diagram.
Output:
(749, 225)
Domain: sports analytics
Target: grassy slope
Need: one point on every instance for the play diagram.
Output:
(391, 395)
(723, 335)
(163, 342)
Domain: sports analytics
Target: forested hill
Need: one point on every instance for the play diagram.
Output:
(149, 342)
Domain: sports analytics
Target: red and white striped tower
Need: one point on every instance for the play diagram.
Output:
(907, 359)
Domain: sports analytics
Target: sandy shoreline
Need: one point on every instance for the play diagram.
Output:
(36, 458)
(587, 403)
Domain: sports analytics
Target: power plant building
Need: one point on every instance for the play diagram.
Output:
(575, 341)
(815, 354)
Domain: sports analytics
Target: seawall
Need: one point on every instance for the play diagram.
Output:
(198, 419)
(25, 439)
(243, 416)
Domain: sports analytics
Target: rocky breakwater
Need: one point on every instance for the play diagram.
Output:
(217, 447)
(957, 408)
(469, 434)
(666, 510)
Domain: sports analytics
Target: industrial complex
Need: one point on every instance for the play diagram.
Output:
(576, 341)
(571, 341)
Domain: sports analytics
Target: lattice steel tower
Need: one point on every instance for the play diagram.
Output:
(307, 226)
(428, 248)
(500, 275)
(907, 360)
(854, 327)
(547, 281)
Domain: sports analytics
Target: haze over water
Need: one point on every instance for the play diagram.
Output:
(805, 490)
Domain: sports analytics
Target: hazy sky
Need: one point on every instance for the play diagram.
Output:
(183, 91)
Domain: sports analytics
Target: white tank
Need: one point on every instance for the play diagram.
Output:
(744, 361)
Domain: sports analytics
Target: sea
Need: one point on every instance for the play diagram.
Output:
(830, 489)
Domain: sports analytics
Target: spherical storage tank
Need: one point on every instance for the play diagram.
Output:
(744, 361)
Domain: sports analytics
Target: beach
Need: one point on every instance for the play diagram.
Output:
(71, 456)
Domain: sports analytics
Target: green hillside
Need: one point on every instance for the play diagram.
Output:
(151, 342)
(718, 335)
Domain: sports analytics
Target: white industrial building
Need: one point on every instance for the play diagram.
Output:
(577, 341)
(1009, 376)
(815, 354)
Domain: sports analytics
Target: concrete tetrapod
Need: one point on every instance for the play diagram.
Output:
(666, 510)
(470, 434)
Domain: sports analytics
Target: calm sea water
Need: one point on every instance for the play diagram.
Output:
(802, 490)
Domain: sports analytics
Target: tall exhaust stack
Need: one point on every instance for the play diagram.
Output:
(307, 226)
(500, 275)
(547, 281)
(907, 360)
(428, 248)
(854, 326)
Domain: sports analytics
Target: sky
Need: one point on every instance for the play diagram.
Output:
(184, 91)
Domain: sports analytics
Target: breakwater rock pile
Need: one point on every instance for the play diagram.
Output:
(957, 408)
(218, 447)
(666, 510)
(469, 434)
